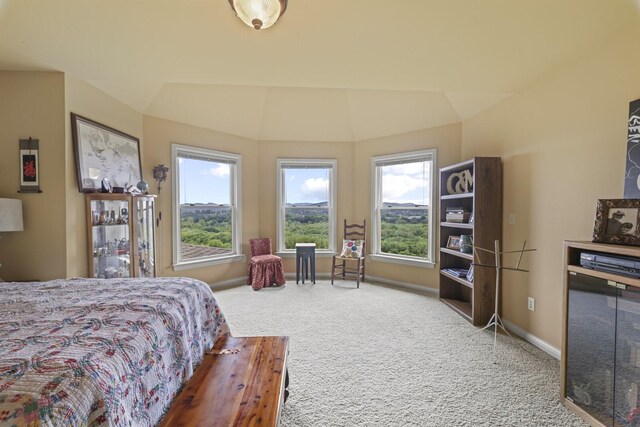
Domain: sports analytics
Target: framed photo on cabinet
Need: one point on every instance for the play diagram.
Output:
(617, 222)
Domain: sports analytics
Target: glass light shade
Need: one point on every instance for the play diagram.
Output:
(259, 14)
(11, 215)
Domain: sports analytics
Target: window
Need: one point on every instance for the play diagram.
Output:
(206, 207)
(403, 194)
(306, 204)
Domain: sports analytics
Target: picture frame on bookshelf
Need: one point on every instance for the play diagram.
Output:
(617, 222)
(453, 243)
(470, 273)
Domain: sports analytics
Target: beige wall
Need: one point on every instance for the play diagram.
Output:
(270, 151)
(32, 105)
(563, 145)
(446, 139)
(159, 135)
(87, 101)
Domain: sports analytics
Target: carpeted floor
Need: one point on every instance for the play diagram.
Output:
(378, 356)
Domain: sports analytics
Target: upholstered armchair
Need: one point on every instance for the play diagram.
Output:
(265, 269)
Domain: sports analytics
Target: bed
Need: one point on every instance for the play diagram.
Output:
(98, 352)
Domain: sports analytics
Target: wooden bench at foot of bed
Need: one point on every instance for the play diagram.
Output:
(242, 382)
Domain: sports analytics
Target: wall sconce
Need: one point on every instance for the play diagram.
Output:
(160, 173)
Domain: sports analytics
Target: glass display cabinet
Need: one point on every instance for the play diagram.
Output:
(121, 235)
(601, 340)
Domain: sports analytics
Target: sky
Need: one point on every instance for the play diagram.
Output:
(204, 182)
(306, 185)
(406, 183)
(209, 182)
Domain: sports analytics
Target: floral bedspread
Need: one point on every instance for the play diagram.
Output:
(101, 352)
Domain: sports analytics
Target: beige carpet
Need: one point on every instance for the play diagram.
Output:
(378, 356)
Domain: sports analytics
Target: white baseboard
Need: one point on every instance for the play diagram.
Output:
(538, 342)
(403, 285)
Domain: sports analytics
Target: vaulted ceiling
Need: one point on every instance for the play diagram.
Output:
(329, 70)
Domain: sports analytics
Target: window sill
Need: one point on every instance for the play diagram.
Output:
(402, 260)
(319, 254)
(187, 265)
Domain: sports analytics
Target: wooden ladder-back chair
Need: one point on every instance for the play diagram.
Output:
(353, 251)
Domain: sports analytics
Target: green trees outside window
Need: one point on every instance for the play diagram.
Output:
(206, 226)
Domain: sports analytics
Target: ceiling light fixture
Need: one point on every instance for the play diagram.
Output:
(259, 14)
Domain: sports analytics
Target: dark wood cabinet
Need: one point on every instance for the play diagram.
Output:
(601, 339)
(472, 297)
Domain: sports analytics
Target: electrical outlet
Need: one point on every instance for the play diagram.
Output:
(512, 219)
(531, 304)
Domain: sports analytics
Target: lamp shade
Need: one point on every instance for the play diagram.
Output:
(11, 215)
(259, 14)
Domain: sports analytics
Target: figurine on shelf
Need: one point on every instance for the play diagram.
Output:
(143, 187)
(106, 186)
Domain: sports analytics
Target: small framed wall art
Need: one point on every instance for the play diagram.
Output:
(29, 169)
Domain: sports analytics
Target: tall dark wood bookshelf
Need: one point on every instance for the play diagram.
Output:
(473, 300)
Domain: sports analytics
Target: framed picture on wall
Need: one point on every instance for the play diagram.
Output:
(29, 169)
(617, 222)
(104, 153)
(632, 171)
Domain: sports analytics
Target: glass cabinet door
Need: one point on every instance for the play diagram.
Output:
(591, 320)
(146, 260)
(627, 411)
(110, 238)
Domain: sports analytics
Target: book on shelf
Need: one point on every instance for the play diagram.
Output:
(456, 272)
(457, 216)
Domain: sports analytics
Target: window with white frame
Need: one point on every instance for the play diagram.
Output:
(403, 198)
(306, 203)
(206, 206)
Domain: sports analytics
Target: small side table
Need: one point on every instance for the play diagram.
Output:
(305, 257)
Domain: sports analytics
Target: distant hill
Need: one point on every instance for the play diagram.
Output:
(305, 205)
(404, 205)
(202, 207)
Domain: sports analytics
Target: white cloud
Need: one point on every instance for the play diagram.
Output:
(220, 170)
(397, 188)
(415, 170)
(316, 188)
